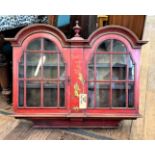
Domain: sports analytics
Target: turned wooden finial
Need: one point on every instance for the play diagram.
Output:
(77, 29)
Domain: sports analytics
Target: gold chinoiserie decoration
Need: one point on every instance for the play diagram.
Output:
(76, 108)
(76, 90)
(81, 78)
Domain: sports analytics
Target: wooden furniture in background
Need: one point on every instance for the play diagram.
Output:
(51, 19)
(102, 20)
(133, 22)
(88, 23)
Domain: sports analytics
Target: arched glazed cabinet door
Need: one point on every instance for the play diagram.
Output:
(42, 73)
(111, 76)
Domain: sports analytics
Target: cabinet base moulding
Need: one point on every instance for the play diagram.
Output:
(74, 122)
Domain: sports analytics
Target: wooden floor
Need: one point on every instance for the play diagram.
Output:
(14, 129)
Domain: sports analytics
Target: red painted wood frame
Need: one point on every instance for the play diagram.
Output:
(76, 54)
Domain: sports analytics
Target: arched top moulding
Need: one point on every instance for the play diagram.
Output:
(76, 40)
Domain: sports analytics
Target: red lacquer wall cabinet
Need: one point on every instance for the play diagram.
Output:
(89, 83)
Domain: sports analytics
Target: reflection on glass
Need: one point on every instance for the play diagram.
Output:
(103, 73)
(49, 45)
(35, 65)
(21, 94)
(118, 46)
(33, 94)
(50, 95)
(34, 45)
(102, 95)
(31, 72)
(118, 95)
(50, 72)
(62, 95)
(105, 46)
(131, 68)
(131, 95)
(91, 94)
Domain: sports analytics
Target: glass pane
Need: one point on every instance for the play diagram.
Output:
(49, 45)
(50, 59)
(34, 45)
(119, 73)
(102, 59)
(50, 66)
(21, 94)
(102, 67)
(50, 94)
(92, 61)
(33, 94)
(131, 95)
(62, 72)
(118, 46)
(119, 67)
(119, 60)
(21, 71)
(131, 68)
(33, 58)
(91, 94)
(34, 63)
(105, 46)
(21, 67)
(62, 95)
(50, 72)
(91, 70)
(91, 73)
(103, 73)
(102, 94)
(33, 72)
(61, 60)
(118, 95)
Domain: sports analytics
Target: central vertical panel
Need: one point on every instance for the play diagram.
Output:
(77, 78)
